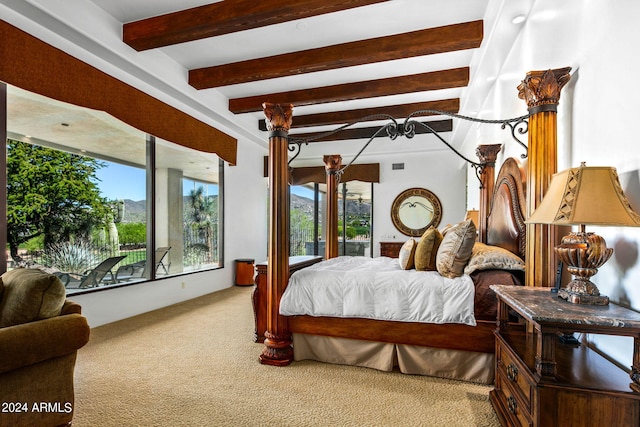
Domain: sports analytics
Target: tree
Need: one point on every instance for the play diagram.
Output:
(301, 231)
(51, 193)
(199, 218)
(200, 208)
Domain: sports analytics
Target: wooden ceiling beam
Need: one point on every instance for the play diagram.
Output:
(406, 45)
(350, 116)
(223, 18)
(368, 132)
(445, 79)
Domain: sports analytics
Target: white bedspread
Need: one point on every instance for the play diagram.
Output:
(377, 288)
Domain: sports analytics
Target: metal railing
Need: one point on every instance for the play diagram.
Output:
(80, 257)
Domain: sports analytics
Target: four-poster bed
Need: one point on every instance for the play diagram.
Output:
(448, 349)
(505, 203)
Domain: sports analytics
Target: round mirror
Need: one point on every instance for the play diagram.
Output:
(415, 210)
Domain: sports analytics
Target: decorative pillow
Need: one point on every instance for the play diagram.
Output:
(30, 294)
(446, 229)
(487, 257)
(425, 256)
(455, 250)
(407, 251)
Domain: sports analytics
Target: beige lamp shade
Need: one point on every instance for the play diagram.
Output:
(585, 195)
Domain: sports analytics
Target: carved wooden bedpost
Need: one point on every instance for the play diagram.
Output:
(487, 155)
(332, 164)
(541, 91)
(278, 350)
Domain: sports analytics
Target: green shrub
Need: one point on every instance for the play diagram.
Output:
(34, 245)
(132, 232)
(75, 257)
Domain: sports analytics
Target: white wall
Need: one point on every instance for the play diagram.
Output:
(438, 171)
(597, 113)
(604, 118)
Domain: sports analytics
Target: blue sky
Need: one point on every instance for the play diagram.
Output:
(302, 191)
(126, 182)
(122, 182)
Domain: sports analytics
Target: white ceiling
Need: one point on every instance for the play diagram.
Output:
(91, 30)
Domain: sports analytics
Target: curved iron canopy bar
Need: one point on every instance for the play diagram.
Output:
(407, 128)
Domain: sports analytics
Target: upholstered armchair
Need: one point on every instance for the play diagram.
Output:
(40, 333)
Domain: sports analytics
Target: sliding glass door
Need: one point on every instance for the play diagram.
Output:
(355, 219)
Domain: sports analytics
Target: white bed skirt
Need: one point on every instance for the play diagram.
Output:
(410, 359)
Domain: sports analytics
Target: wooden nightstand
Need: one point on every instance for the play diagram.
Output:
(542, 382)
(390, 249)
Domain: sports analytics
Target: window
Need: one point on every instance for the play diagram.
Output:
(106, 219)
(354, 218)
(307, 211)
(201, 224)
(305, 224)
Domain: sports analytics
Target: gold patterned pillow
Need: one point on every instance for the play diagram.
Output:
(425, 257)
(407, 251)
(455, 250)
(487, 257)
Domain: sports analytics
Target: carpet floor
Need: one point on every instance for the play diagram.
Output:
(195, 364)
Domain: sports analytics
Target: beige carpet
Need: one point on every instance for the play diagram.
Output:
(195, 364)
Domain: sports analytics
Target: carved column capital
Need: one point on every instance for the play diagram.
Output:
(488, 153)
(332, 162)
(543, 87)
(279, 117)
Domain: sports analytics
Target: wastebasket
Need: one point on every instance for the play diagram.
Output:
(244, 272)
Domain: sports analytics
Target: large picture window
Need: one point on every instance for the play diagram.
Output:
(83, 204)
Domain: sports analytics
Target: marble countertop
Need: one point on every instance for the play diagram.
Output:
(543, 306)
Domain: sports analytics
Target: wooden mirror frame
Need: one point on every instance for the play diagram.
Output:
(429, 197)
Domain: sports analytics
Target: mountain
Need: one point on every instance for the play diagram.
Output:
(354, 207)
(134, 211)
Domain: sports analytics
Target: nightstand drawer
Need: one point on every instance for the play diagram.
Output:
(518, 413)
(514, 374)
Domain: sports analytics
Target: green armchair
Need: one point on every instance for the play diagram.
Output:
(40, 334)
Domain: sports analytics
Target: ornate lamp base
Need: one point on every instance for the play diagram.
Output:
(583, 253)
(577, 298)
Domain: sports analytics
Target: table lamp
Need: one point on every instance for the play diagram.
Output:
(584, 196)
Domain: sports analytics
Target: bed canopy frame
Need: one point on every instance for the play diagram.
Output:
(541, 91)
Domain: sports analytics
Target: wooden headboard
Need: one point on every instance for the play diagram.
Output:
(505, 221)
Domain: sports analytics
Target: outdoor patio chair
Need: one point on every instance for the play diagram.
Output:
(161, 263)
(92, 278)
(128, 272)
(136, 270)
